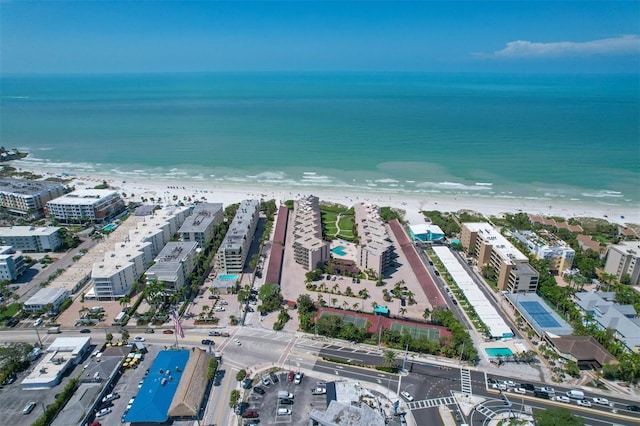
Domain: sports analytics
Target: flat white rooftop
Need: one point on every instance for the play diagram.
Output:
(500, 244)
(85, 197)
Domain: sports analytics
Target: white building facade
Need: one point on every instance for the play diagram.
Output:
(232, 253)
(92, 205)
(28, 197)
(12, 264)
(622, 259)
(30, 239)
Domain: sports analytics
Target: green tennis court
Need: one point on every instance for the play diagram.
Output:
(417, 331)
(357, 321)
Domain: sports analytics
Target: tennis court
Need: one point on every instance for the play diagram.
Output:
(540, 314)
(416, 331)
(357, 321)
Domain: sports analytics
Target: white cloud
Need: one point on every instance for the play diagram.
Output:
(618, 46)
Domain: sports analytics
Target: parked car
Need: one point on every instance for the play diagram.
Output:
(550, 391)
(274, 377)
(509, 383)
(541, 394)
(214, 333)
(265, 380)
(167, 331)
(499, 386)
(259, 390)
(224, 302)
(521, 391)
(528, 386)
(318, 391)
(110, 397)
(139, 339)
(208, 342)
(250, 414)
(219, 308)
(406, 395)
(290, 376)
(103, 412)
(286, 401)
(633, 408)
(11, 322)
(562, 398)
(29, 407)
(284, 412)
(85, 331)
(297, 378)
(238, 342)
(583, 402)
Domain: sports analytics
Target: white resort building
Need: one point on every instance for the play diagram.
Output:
(113, 277)
(29, 239)
(93, 205)
(233, 251)
(309, 248)
(544, 245)
(174, 264)
(375, 251)
(28, 197)
(200, 226)
(514, 274)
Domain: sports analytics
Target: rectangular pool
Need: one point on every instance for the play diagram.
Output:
(228, 277)
(496, 352)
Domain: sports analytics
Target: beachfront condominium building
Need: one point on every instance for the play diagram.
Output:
(29, 239)
(113, 277)
(234, 249)
(86, 205)
(200, 226)
(173, 265)
(12, 264)
(545, 246)
(375, 251)
(622, 259)
(28, 197)
(514, 274)
(309, 249)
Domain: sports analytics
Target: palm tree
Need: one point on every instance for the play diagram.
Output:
(389, 358)
(402, 311)
(124, 301)
(335, 288)
(356, 306)
(334, 301)
(426, 313)
(345, 305)
(410, 295)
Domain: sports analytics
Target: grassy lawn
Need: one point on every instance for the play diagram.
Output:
(12, 309)
(330, 215)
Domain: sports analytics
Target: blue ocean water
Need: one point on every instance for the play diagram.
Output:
(536, 136)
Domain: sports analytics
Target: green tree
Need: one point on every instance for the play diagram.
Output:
(241, 375)
(270, 296)
(234, 398)
(389, 358)
(555, 417)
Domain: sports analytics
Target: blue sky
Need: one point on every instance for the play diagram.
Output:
(451, 36)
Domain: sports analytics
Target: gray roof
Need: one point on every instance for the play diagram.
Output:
(241, 223)
(46, 295)
(201, 217)
(26, 186)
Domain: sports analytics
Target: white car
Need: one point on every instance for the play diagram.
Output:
(297, 378)
(500, 386)
(220, 308)
(237, 342)
(110, 397)
(103, 412)
(509, 383)
(550, 391)
(406, 395)
(521, 391)
(139, 339)
(562, 398)
(601, 401)
(583, 402)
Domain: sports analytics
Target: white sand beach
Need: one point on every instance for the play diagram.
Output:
(171, 191)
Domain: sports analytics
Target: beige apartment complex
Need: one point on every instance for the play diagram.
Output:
(28, 197)
(622, 259)
(514, 274)
(93, 205)
(309, 248)
(233, 251)
(375, 251)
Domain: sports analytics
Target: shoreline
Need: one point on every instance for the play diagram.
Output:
(165, 191)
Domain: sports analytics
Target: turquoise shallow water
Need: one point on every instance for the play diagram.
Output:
(495, 352)
(535, 136)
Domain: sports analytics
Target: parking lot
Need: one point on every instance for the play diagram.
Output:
(269, 406)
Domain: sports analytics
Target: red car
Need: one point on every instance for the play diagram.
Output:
(290, 376)
(250, 414)
(167, 332)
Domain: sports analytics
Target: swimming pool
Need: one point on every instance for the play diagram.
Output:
(228, 277)
(495, 352)
(110, 227)
(339, 251)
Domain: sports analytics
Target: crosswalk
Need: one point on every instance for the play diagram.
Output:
(465, 381)
(489, 413)
(435, 402)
